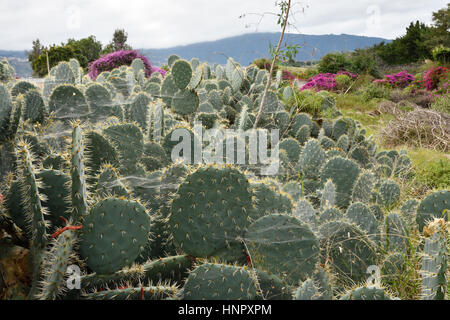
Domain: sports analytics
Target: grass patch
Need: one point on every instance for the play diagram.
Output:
(431, 168)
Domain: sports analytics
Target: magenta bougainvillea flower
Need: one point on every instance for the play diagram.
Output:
(119, 58)
(326, 81)
(400, 80)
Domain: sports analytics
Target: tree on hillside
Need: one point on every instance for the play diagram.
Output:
(407, 49)
(89, 47)
(119, 42)
(440, 34)
(35, 52)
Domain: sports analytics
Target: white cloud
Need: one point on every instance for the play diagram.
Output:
(165, 23)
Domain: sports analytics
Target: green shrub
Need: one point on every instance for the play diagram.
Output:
(374, 91)
(364, 62)
(441, 54)
(333, 63)
(343, 82)
(262, 63)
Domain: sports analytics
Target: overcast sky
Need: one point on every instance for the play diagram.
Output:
(166, 23)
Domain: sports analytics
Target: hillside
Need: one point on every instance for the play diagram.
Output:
(245, 48)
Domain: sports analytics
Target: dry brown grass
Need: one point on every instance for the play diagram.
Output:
(419, 128)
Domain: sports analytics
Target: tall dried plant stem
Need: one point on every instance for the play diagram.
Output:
(269, 80)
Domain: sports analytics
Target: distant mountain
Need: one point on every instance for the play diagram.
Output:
(19, 60)
(245, 48)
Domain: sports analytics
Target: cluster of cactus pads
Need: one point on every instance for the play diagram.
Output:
(88, 184)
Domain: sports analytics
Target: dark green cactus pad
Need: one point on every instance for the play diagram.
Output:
(6, 106)
(311, 159)
(100, 102)
(172, 59)
(361, 155)
(327, 143)
(207, 119)
(292, 148)
(269, 200)
(54, 187)
(348, 251)
(34, 107)
(343, 173)
(360, 214)
(184, 133)
(15, 206)
(154, 157)
(389, 193)
(343, 143)
(409, 210)
(340, 127)
(366, 293)
(128, 139)
(210, 210)
(182, 73)
(283, 245)
(435, 205)
(396, 233)
(215, 99)
(100, 151)
(159, 244)
(270, 104)
(22, 87)
(153, 89)
(68, 103)
(282, 121)
(168, 89)
(15, 119)
(138, 109)
(363, 187)
(185, 102)
(220, 282)
(335, 152)
(299, 121)
(109, 183)
(114, 233)
(330, 214)
(303, 134)
(272, 287)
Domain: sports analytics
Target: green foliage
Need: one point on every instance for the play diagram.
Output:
(333, 63)
(375, 91)
(441, 54)
(406, 49)
(84, 50)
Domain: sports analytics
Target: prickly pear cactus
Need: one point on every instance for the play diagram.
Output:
(210, 210)
(114, 233)
(283, 245)
(211, 281)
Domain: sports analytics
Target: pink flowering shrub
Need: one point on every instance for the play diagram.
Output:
(326, 81)
(117, 59)
(399, 80)
(437, 79)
